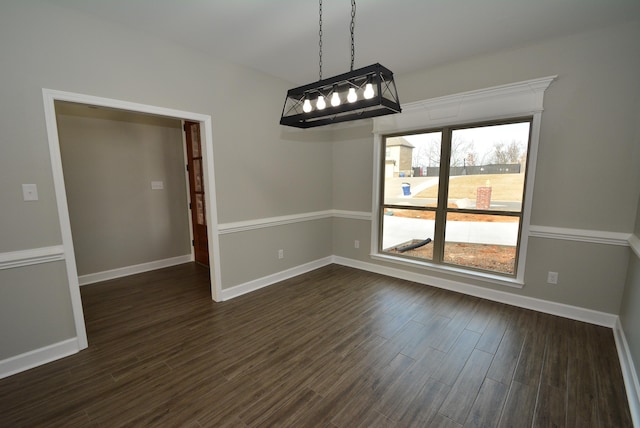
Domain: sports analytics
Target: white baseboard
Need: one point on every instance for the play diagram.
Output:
(68, 347)
(132, 270)
(560, 309)
(629, 373)
(38, 357)
(247, 287)
(568, 311)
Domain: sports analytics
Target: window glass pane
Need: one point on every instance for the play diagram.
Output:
(487, 167)
(403, 228)
(200, 209)
(482, 241)
(411, 169)
(197, 175)
(195, 140)
(483, 169)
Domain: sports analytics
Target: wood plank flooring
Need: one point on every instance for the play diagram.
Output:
(336, 347)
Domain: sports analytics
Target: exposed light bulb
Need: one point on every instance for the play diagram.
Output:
(306, 106)
(352, 97)
(335, 99)
(320, 104)
(368, 91)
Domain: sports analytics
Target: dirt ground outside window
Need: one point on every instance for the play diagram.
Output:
(496, 258)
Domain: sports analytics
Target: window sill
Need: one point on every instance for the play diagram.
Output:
(449, 270)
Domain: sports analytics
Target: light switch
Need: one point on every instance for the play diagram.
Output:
(30, 192)
(157, 185)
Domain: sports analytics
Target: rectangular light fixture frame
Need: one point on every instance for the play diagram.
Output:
(384, 100)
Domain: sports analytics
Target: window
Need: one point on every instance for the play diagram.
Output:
(454, 195)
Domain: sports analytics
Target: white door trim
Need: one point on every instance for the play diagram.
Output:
(49, 97)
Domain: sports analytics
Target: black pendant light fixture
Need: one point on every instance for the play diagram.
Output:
(366, 92)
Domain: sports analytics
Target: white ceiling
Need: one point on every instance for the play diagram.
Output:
(280, 37)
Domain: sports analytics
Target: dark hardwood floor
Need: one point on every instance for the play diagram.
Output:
(336, 347)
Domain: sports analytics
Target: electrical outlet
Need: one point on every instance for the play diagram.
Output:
(356, 244)
(552, 278)
(281, 254)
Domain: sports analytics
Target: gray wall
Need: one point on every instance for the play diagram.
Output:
(261, 170)
(589, 123)
(35, 308)
(110, 159)
(264, 170)
(301, 243)
(630, 312)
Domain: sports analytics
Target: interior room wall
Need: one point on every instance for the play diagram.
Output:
(33, 315)
(109, 160)
(588, 124)
(629, 313)
(261, 170)
(586, 178)
(352, 181)
(300, 242)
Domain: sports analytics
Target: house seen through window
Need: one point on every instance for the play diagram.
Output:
(454, 195)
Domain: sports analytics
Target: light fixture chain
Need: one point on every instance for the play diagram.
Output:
(344, 97)
(353, 29)
(320, 43)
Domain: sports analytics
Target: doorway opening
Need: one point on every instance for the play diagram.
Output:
(208, 194)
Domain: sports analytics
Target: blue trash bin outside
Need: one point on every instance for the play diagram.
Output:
(406, 189)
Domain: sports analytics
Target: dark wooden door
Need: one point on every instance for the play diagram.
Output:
(196, 190)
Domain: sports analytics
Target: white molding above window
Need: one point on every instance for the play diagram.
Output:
(512, 100)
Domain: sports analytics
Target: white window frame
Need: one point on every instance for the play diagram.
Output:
(500, 102)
